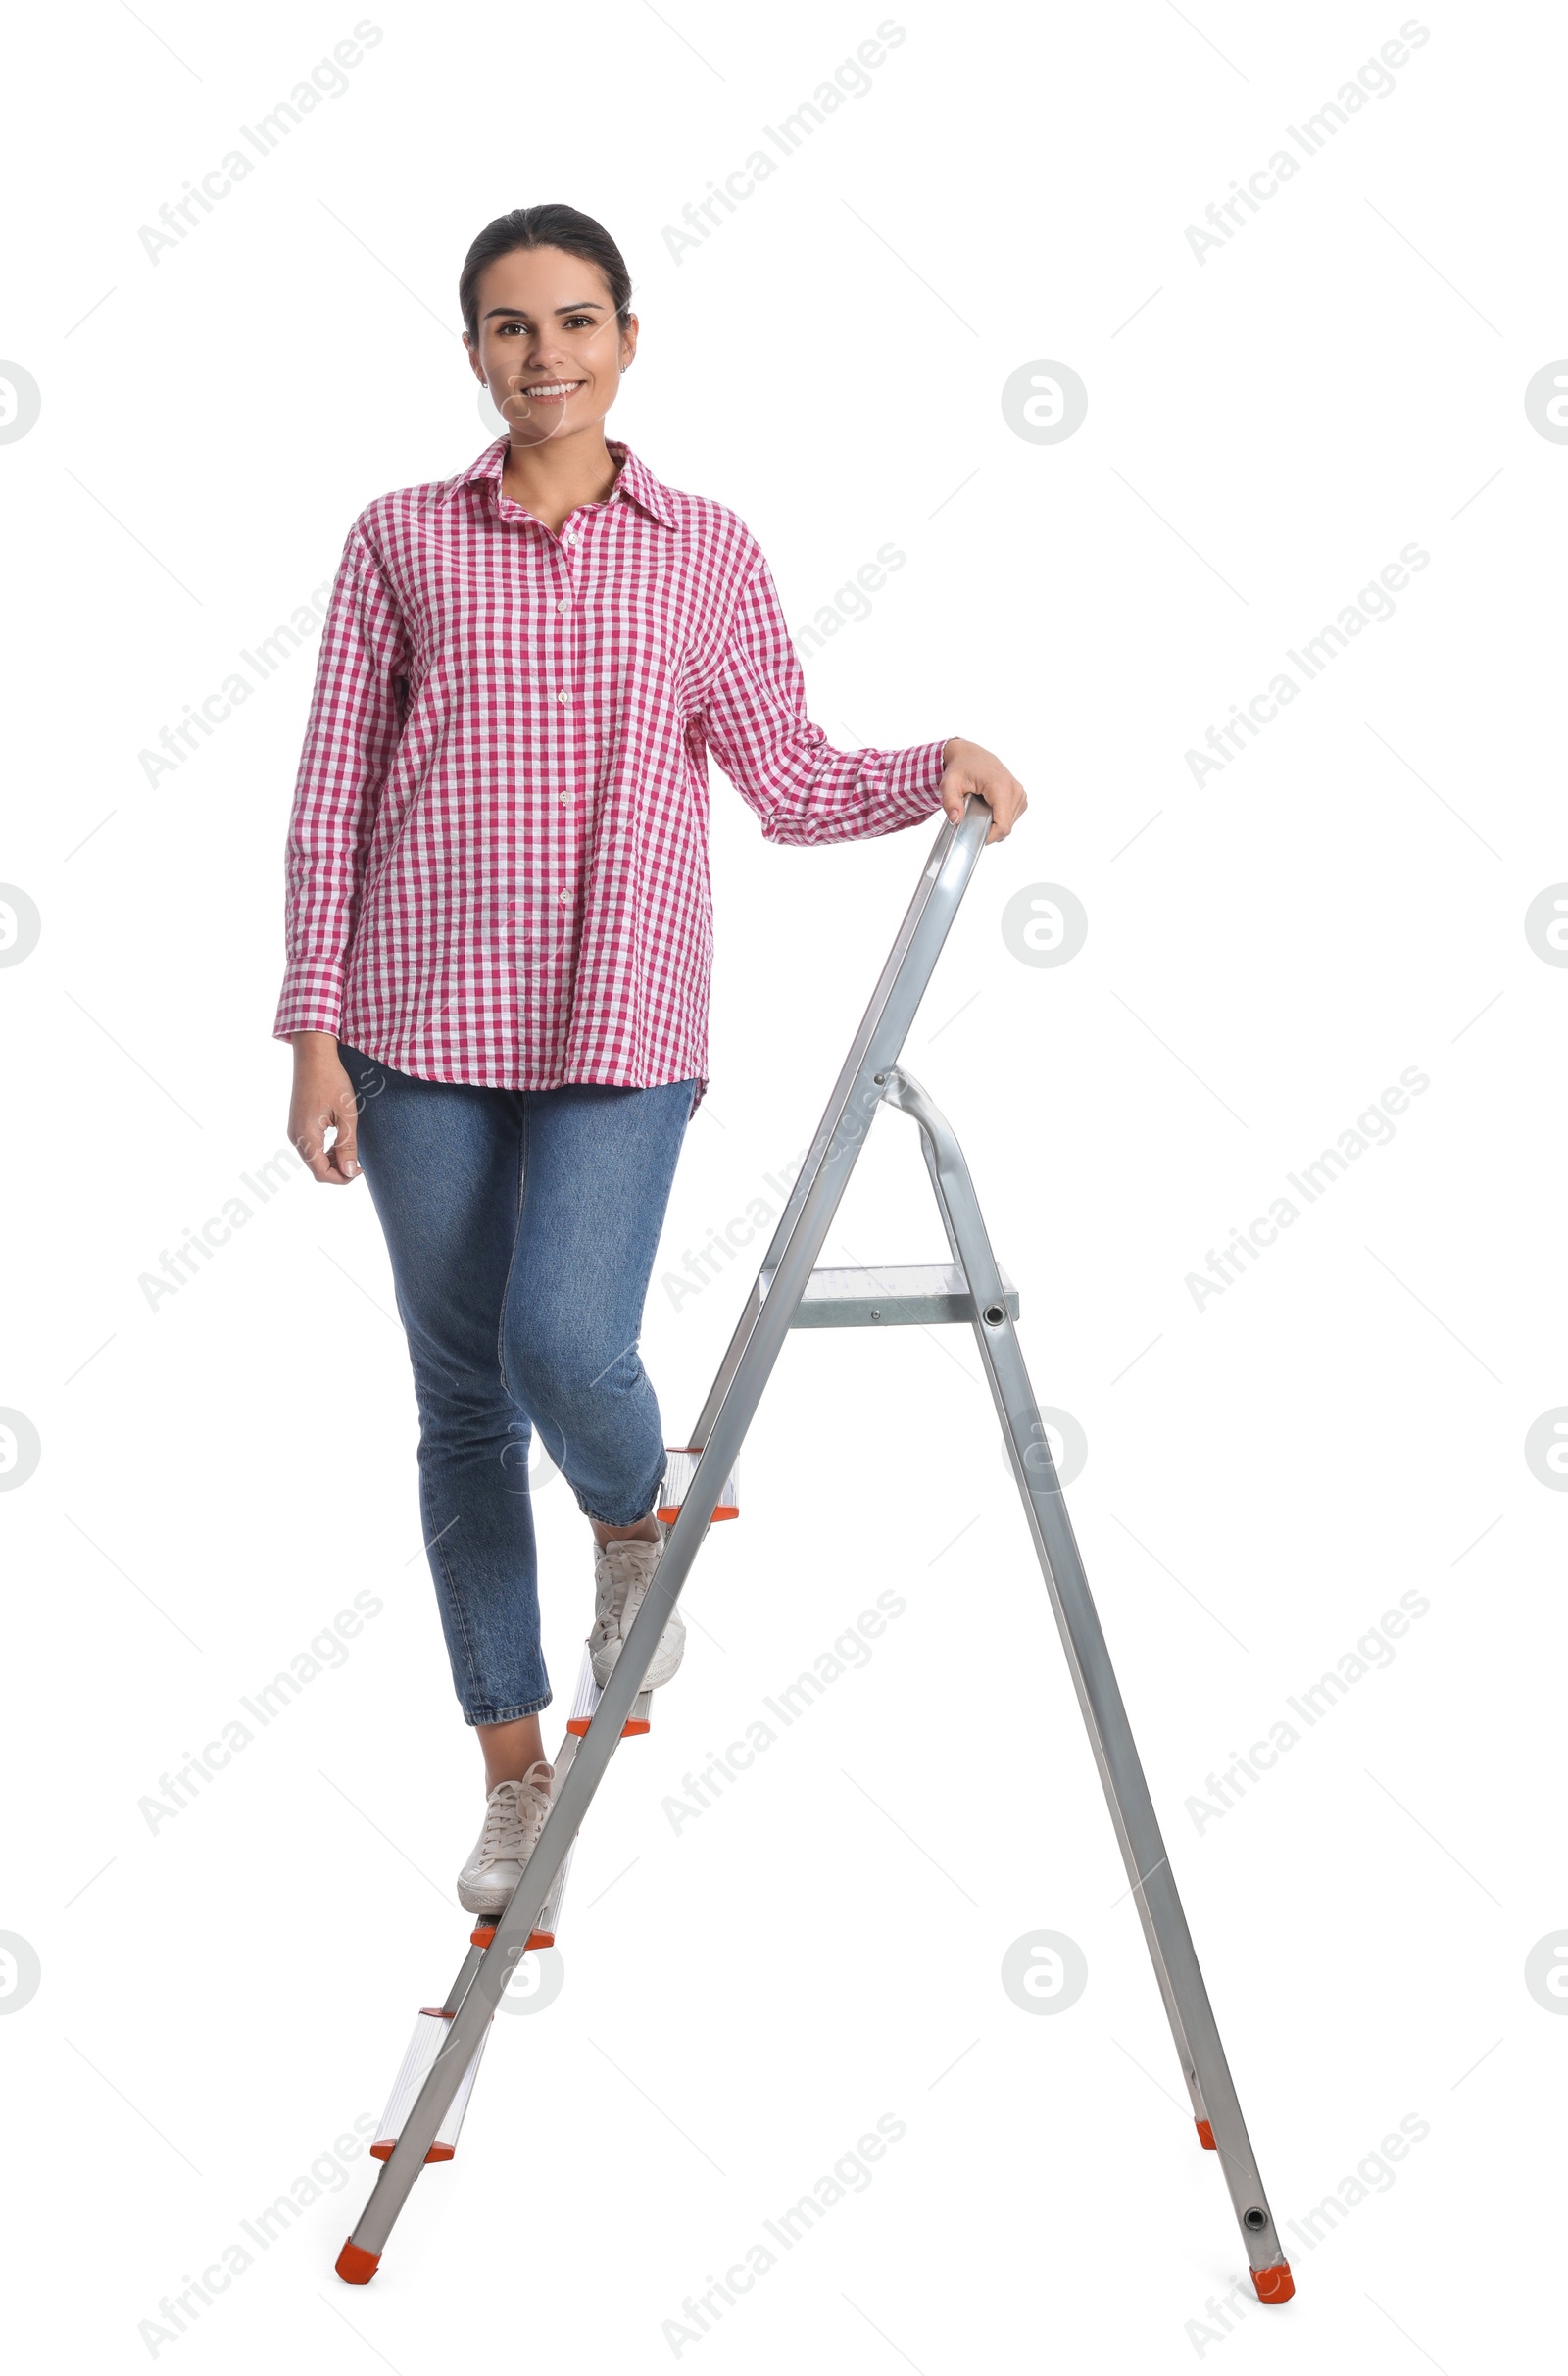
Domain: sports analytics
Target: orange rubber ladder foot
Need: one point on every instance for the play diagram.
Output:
(355, 2265)
(1206, 2136)
(1275, 2284)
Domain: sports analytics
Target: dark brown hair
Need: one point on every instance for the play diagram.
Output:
(535, 226)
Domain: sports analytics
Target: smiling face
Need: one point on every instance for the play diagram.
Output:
(548, 347)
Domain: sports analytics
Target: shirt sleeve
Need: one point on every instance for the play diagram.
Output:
(756, 723)
(350, 736)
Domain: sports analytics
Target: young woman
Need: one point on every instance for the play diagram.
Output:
(499, 935)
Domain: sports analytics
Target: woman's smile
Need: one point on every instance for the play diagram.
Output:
(550, 391)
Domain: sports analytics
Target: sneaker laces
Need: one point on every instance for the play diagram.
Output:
(632, 1603)
(514, 1816)
(609, 1598)
(622, 1584)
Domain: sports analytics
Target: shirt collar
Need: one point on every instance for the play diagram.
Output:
(634, 480)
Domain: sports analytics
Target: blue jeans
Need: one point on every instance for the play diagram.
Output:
(521, 1227)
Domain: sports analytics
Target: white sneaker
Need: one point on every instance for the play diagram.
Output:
(622, 1573)
(514, 1816)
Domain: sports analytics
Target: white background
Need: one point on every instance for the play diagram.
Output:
(220, 2000)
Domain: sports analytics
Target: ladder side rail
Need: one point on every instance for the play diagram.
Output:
(850, 1110)
(979, 1267)
(463, 1982)
(1094, 1677)
(1184, 2052)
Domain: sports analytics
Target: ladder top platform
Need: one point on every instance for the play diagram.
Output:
(897, 1294)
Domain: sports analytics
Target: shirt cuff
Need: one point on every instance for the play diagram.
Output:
(312, 1000)
(914, 778)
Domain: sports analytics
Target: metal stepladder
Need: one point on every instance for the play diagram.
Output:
(425, 2111)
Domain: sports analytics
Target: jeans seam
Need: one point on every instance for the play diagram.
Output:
(454, 1598)
(516, 1240)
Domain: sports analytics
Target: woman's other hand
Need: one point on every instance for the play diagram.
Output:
(967, 767)
(323, 1096)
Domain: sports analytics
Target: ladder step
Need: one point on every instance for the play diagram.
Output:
(588, 1698)
(680, 1466)
(484, 1931)
(900, 1295)
(430, 2031)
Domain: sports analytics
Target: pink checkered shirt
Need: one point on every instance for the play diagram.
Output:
(497, 859)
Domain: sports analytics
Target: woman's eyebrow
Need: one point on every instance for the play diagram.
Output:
(587, 305)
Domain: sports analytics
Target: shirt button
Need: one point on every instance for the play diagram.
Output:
(563, 696)
(569, 538)
(562, 899)
(563, 605)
